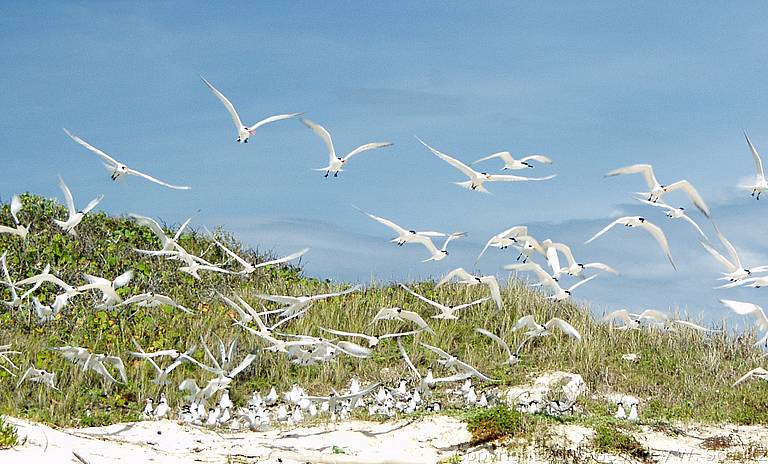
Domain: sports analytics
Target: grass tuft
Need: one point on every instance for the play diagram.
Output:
(8, 435)
(609, 439)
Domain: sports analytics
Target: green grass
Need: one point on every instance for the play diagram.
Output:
(680, 376)
(8, 436)
(610, 439)
(498, 422)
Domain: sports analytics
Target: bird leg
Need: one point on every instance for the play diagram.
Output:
(336, 174)
(326, 173)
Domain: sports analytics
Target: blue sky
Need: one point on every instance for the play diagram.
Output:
(595, 85)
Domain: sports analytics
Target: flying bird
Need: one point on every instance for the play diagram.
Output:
(74, 216)
(537, 330)
(657, 190)
(558, 293)
(477, 179)
(18, 229)
(399, 314)
(736, 270)
(675, 213)
(503, 239)
(513, 164)
(245, 132)
(446, 312)
(336, 164)
(119, 169)
(108, 288)
(641, 222)
(470, 279)
(403, 236)
(761, 184)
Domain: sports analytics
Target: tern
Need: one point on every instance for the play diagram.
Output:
(372, 341)
(641, 222)
(675, 213)
(162, 374)
(758, 373)
(428, 381)
(477, 179)
(750, 309)
(512, 358)
(94, 362)
(75, 216)
(634, 320)
(558, 293)
(336, 164)
(446, 312)
(153, 300)
(39, 376)
(513, 164)
(108, 288)
(403, 236)
(469, 279)
(453, 362)
(119, 169)
(761, 184)
(574, 268)
(657, 190)
(736, 270)
(167, 243)
(295, 304)
(5, 351)
(537, 330)
(335, 398)
(399, 314)
(248, 268)
(503, 239)
(19, 229)
(245, 132)
(442, 253)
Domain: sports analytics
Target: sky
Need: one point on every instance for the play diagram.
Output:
(594, 85)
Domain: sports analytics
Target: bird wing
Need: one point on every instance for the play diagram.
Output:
(581, 282)
(542, 275)
(271, 119)
(658, 234)
(745, 309)
(495, 338)
(368, 338)
(118, 363)
(692, 193)
(325, 135)
(284, 259)
(92, 204)
(469, 172)
(437, 305)
(622, 314)
(458, 272)
(398, 230)
(155, 180)
(565, 250)
(757, 372)
(607, 228)
(645, 169)
(123, 279)
(247, 360)
(407, 359)
(601, 266)
(227, 104)
(756, 157)
(728, 265)
(152, 224)
(472, 303)
(416, 319)
(331, 295)
(15, 208)
(67, 197)
(525, 321)
(232, 254)
(730, 248)
(501, 154)
(513, 178)
(493, 287)
(657, 204)
(436, 350)
(539, 158)
(567, 328)
(693, 326)
(366, 147)
(90, 147)
(690, 221)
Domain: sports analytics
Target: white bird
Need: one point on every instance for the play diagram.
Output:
(536, 330)
(148, 411)
(675, 213)
(245, 132)
(19, 229)
(372, 341)
(633, 415)
(574, 268)
(635, 320)
(248, 268)
(504, 239)
(403, 236)
(94, 361)
(75, 216)
(453, 362)
(477, 179)
(167, 243)
(162, 407)
(399, 314)
(44, 313)
(558, 293)
(428, 381)
(162, 374)
(512, 358)
(39, 376)
(641, 222)
(761, 184)
(657, 190)
(736, 270)
(5, 350)
(108, 288)
(446, 312)
(336, 164)
(295, 304)
(470, 279)
(193, 268)
(750, 309)
(442, 253)
(620, 413)
(513, 164)
(119, 169)
(153, 300)
(758, 373)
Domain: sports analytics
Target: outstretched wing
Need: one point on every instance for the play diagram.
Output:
(227, 104)
(756, 158)
(469, 172)
(67, 197)
(366, 147)
(271, 119)
(157, 181)
(645, 169)
(90, 147)
(325, 135)
(692, 193)
(658, 234)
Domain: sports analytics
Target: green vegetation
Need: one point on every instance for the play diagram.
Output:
(679, 376)
(609, 439)
(498, 422)
(8, 436)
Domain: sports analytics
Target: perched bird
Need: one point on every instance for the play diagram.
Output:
(245, 132)
(75, 216)
(119, 169)
(336, 164)
(641, 222)
(162, 408)
(477, 179)
(513, 164)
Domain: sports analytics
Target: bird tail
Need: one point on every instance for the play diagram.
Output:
(468, 185)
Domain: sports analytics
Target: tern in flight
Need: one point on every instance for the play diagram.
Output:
(372, 340)
(108, 288)
(295, 304)
(19, 229)
(675, 213)
(75, 216)
(446, 312)
(442, 253)
(574, 268)
(537, 330)
(470, 279)
(245, 132)
(336, 164)
(657, 190)
(761, 184)
(249, 268)
(503, 239)
(168, 243)
(403, 236)
(750, 309)
(512, 358)
(477, 179)
(512, 164)
(641, 222)
(736, 271)
(119, 169)
(399, 314)
(558, 293)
